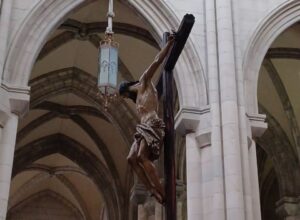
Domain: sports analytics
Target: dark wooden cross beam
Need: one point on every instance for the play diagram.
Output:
(165, 87)
(182, 35)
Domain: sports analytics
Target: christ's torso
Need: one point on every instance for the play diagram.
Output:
(147, 103)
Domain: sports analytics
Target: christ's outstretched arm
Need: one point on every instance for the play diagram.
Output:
(149, 72)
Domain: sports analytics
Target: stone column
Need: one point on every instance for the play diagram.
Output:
(233, 174)
(3, 201)
(217, 195)
(138, 197)
(193, 187)
(180, 191)
(149, 207)
(159, 211)
(12, 105)
(256, 127)
(198, 159)
(289, 208)
(5, 17)
(151, 210)
(179, 210)
(104, 213)
(144, 207)
(7, 147)
(254, 182)
(142, 214)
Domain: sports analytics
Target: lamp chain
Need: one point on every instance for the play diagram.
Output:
(110, 15)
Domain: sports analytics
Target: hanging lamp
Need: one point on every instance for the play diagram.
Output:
(108, 62)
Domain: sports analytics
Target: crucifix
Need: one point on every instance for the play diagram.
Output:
(153, 132)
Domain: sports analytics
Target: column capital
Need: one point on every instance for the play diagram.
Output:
(288, 207)
(19, 106)
(18, 98)
(15, 89)
(195, 120)
(188, 118)
(256, 126)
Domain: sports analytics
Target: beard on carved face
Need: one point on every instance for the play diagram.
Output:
(125, 92)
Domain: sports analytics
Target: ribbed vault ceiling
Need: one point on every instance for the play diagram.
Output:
(69, 149)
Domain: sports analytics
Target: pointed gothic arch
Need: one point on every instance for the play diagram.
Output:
(68, 147)
(44, 194)
(278, 20)
(48, 15)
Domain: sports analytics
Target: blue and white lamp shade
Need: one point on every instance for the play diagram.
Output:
(108, 67)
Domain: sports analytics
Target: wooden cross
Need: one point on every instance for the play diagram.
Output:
(165, 88)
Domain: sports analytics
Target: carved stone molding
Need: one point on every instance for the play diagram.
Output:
(19, 106)
(188, 118)
(195, 120)
(257, 126)
(283, 53)
(15, 89)
(18, 98)
(289, 207)
(204, 138)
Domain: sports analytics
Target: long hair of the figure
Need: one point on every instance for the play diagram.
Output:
(124, 87)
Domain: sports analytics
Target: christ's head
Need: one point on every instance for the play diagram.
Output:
(125, 92)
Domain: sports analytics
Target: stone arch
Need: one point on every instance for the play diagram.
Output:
(267, 31)
(59, 143)
(47, 193)
(189, 74)
(286, 164)
(269, 195)
(45, 172)
(70, 80)
(33, 33)
(83, 124)
(47, 15)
